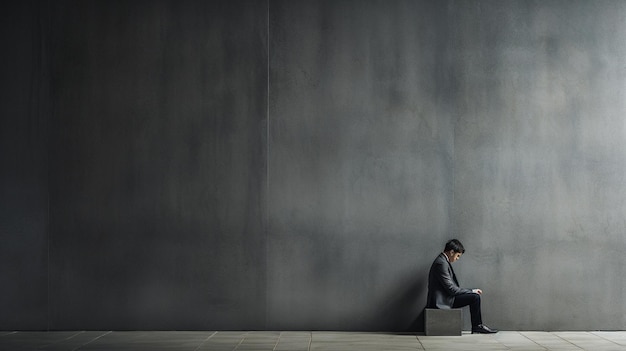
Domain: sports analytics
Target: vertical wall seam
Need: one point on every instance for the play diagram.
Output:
(267, 170)
(48, 59)
(455, 116)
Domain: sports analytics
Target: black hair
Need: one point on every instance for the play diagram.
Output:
(455, 246)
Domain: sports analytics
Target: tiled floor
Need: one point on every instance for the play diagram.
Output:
(307, 341)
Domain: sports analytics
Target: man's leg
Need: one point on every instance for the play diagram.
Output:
(473, 301)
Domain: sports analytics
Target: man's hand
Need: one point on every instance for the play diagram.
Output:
(477, 291)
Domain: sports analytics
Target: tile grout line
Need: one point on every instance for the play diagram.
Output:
(241, 342)
(420, 342)
(205, 340)
(89, 342)
(310, 341)
(567, 341)
(603, 338)
(72, 336)
(60, 341)
(277, 341)
(506, 347)
(536, 343)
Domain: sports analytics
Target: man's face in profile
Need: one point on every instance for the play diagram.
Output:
(453, 256)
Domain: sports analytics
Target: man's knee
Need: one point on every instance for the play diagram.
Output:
(476, 299)
(473, 298)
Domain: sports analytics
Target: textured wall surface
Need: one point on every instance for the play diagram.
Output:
(540, 162)
(157, 165)
(24, 106)
(360, 161)
(298, 165)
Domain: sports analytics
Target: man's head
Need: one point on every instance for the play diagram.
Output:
(454, 249)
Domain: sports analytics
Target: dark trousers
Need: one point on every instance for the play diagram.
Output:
(473, 301)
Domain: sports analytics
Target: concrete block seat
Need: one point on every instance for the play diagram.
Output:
(443, 322)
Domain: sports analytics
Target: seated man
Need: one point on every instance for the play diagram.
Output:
(444, 291)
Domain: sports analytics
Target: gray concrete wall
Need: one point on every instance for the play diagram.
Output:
(24, 113)
(298, 164)
(157, 165)
(360, 161)
(540, 161)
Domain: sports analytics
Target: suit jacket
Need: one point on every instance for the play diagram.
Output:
(442, 284)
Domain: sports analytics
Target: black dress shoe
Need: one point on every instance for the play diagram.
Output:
(483, 329)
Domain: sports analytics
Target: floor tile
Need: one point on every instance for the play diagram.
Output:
(33, 340)
(76, 341)
(154, 340)
(307, 341)
(588, 341)
(616, 337)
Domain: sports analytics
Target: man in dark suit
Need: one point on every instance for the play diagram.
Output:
(444, 291)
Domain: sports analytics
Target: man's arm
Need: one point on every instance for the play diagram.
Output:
(443, 276)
